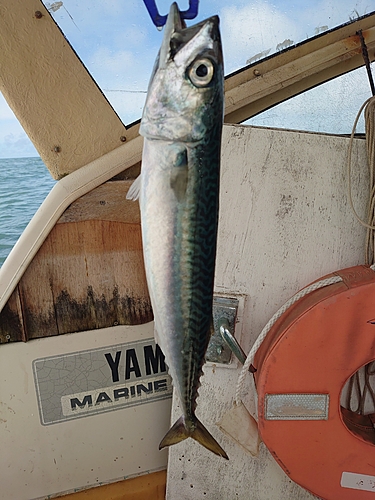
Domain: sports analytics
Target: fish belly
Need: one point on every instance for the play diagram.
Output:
(179, 224)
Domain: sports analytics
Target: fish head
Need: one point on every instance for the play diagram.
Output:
(185, 93)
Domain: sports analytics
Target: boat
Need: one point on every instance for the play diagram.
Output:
(85, 393)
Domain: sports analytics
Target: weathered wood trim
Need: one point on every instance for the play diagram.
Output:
(106, 202)
(147, 487)
(88, 274)
(281, 76)
(12, 327)
(65, 192)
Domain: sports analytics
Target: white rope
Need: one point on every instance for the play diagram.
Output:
(355, 392)
(349, 163)
(369, 106)
(370, 147)
(250, 358)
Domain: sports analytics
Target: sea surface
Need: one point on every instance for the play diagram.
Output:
(24, 184)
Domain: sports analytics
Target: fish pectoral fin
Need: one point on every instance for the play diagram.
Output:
(179, 432)
(179, 181)
(134, 190)
(180, 174)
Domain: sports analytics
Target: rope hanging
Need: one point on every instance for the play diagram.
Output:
(360, 386)
(369, 107)
(370, 146)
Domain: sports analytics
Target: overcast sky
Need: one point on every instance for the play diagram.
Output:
(118, 43)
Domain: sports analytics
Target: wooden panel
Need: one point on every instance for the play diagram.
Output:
(11, 321)
(89, 273)
(63, 194)
(37, 299)
(106, 202)
(147, 487)
(111, 288)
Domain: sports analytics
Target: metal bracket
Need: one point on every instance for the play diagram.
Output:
(224, 312)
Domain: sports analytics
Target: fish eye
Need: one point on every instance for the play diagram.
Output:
(201, 72)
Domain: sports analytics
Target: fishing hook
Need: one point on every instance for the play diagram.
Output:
(160, 21)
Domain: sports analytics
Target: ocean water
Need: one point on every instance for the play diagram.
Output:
(24, 184)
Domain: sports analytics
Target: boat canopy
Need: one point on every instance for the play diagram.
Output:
(118, 43)
(293, 65)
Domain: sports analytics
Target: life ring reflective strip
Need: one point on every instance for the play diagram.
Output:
(302, 367)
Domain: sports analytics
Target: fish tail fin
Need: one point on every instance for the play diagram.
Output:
(179, 431)
(203, 437)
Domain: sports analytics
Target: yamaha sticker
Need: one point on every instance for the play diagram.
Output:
(99, 380)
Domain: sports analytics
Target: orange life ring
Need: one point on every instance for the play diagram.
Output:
(302, 367)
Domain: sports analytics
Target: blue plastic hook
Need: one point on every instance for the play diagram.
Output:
(160, 21)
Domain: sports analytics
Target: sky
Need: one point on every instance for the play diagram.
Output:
(118, 44)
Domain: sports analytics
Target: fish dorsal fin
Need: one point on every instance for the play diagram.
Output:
(134, 190)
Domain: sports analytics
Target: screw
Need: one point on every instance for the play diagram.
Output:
(57, 149)
(123, 138)
(38, 14)
(256, 72)
(115, 323)
(219, 349)
(7, 337)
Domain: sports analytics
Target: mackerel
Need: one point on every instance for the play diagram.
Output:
(178, 190)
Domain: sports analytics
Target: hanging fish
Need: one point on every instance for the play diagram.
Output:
(178, 191)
